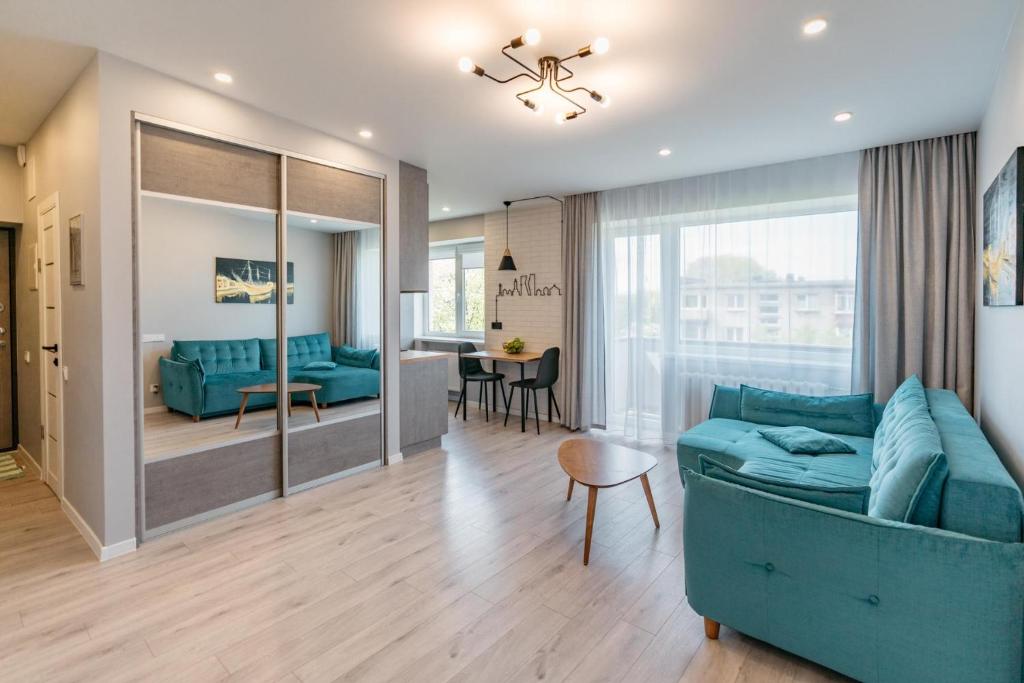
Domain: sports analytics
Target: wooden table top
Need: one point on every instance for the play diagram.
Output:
(599, 464)
(495, 354)
(271, 388)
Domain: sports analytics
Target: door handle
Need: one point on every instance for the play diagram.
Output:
(52, 349)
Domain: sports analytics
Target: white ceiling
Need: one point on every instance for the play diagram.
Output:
(724, 84)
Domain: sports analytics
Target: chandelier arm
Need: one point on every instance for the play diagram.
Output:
(572, 90)
(508, 80)
(583, 110)
(565, 78)
(527, 92)
(536, 75)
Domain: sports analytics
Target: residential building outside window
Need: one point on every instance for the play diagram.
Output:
(844, 302)
(454, 305)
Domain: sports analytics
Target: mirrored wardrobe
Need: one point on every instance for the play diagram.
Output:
(258, 309)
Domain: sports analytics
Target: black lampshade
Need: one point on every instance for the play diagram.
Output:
(506, 261)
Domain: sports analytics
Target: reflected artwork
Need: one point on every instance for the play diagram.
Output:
(244, 281)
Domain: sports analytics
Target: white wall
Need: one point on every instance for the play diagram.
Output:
(999, 372)
(125, 87)
(178, 244)
(65, 149)
(12, 196)
(535, 239)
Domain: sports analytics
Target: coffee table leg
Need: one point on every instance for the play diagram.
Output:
(591, 507)
(241, 410)
(568, 496)
(316, 410)
(650, 500)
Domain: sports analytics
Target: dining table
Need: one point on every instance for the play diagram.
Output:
(522, 358)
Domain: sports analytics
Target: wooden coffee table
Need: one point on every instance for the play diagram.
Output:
(271, 388)
(600, 465)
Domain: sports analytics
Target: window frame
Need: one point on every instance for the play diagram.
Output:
(459, 248)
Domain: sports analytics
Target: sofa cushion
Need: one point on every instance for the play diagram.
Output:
(221, 391)
(320, 365)
(833, 414)
(908, 463)
(804, 440)
(789, 482)
(340, 384)
(734, 443)
(356, 358)
(222, 355)
(302, 350)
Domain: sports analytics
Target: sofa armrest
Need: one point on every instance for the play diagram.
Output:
(873, 599)
(182, 386)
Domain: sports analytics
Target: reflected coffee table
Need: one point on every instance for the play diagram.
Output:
(600, 465)
(271, 388)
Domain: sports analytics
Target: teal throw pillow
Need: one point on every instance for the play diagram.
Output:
(805, 440)
(320, 365)
(854, 415)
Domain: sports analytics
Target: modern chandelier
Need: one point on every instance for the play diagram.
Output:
(550, 76)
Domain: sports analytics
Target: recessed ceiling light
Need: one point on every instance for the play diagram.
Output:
(664, 151)
(842, 117)
(313, 220)
(814, 26)
(223, 77)
(366, 134)
(446, 209)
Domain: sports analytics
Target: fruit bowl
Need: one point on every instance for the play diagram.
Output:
(514, 345)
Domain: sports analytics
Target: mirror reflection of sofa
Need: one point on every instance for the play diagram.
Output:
(202, 378)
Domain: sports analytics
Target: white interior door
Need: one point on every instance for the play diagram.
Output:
(50, 354)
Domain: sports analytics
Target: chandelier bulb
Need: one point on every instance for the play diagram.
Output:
(466, 65)
(532, 36)
(600, 46)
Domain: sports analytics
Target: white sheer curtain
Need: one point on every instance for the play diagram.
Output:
(367, 286)
(738, 277)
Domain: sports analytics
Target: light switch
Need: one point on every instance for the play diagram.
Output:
(65, 369)
(153, 338)
(28, 358)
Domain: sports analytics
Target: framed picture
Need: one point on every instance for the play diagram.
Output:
(245, 281)
(75, 275)
(1002, 254)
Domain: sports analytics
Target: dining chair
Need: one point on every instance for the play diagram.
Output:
(547, 375)
(472, 370)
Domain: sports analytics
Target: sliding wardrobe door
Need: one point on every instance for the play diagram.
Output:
(208, 226)
(333, 322)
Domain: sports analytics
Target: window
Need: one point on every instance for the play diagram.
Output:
(806, 303)
(455, 299)
(695, 302)
(735, 302)
(695, 329)
(734, 334)
(844, 302)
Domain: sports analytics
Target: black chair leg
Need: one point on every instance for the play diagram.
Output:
(551, 395)
(462, 398)
(504, 399)
(526, 398)
(480, 397)
(487, 403)
(536, 412)
(508, 403)
(549, 404)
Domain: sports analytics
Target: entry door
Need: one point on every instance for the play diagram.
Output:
(7, 429)
(53, 431)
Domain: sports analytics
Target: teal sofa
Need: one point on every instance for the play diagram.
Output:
(202, 378)
(936, 594)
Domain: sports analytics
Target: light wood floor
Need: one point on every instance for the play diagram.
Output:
(169, 434)
(462, 563)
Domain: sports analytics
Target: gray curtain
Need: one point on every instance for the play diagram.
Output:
(915, 268)
(343, 304)
(582, 318)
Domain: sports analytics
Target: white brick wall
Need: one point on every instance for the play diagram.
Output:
(535, 234)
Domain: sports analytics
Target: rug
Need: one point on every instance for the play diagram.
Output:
(9, 469)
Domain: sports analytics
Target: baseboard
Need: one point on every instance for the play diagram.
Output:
(154, 409)
(396, 458)
(102, 552)
(31, 461)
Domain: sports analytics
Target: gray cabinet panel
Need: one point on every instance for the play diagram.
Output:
(187, 165)
(186, 486)
(328, 191)
(414, 215)
(424, 403)
(334, 447)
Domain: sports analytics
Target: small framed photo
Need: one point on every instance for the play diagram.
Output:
(75, 276)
